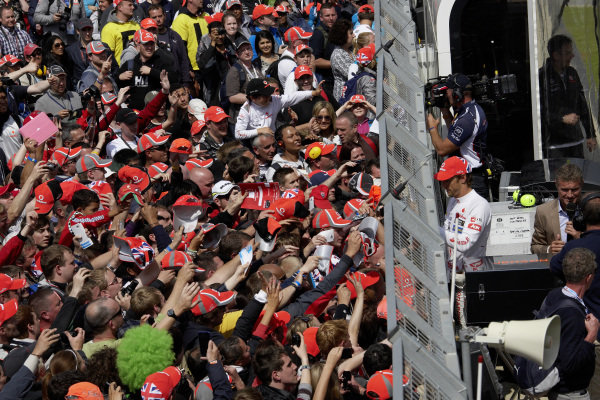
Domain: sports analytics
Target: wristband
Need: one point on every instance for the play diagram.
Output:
(99, 81)
(192, 253)
(168, 248)
(296, 284)
(33, 160)
(433, 127)
(302, 368)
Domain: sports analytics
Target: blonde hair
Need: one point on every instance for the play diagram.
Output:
(333, 388)
(360, 41)
(327, 106)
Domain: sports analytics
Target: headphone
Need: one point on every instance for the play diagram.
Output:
(458, 92)
(578, 220)
(534, 196)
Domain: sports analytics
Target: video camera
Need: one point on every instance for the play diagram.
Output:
(90, 93)
(484, 89)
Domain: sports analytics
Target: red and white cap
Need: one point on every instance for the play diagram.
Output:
(91, 161)
(160, 385)
(64, 154)
(296, 33)
(329, 218)
(95, 47)
(365, 55)
(30, 48)
(157, 168)
(211, 299)
(357, 99)
(302, 47)
(134, 176)
(129, 190)
(192, 163)
(215, 114)
(143, 36)
(8, 283)
(149, 140)
(302, 70)
(451, 167)
(197, 127)
(281, 9)
(231, 3)
(148, 23)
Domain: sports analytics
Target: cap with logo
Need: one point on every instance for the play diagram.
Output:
(95, 47)
(302, 70)
(134, 249)
(148, 23)
(127, 116)
(91, 161)
(317, 149)
(361, 183)
(451, 167)
(192, 163)
(197, 108)
(160, 385)
(317, 177)
(320, 195)
(210, 299)
(239, 42)
(261, 10)
(182, 146)
(329, 218)
(259, 87)
(134, 176)
(64, 154)
(266, 233)
(143, 36)
(84, 391)
(30, 48)
(11, 60)
(198, 126)
(281, 10)
(149, 140)
(288, 208)
(84, 23)
(381, 385)
(157, 168)
(296, 33)
(215, 114)
(365, 55)
(458, 81)
(352, 207)
(301, 48)
(129, 190)
(357, 99)
(56, 70)
(231, 3)
(223, 188)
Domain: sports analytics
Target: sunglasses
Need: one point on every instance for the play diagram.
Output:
(60, 44)
(323, 118)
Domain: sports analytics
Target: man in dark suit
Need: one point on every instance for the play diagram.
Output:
(553, 219)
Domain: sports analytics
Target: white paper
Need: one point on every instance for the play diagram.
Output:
(324, 253)
(246, 255)
(328, 235)
(79, 231)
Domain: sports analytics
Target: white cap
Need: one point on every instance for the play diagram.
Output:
(197, 107)
(223, 188)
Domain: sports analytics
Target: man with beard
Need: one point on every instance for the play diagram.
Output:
(142, 74)
(77, 51)
(98, 69)
(264, 149)
(216, 132)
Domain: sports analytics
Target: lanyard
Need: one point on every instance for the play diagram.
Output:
(61, 105)
(567, 291)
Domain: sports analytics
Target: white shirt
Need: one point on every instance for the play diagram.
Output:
(285, 66)
(301, 166)
(472, 227)
(11, 139)
(119, 144)
(253, 116)
(291, 86)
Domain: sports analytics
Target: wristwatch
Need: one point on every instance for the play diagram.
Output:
(302, 368)
(171, 313)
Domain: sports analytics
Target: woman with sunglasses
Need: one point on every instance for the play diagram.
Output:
(323, 121)
(54, 54)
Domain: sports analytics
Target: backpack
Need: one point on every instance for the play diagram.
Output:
(349, 88)
(532, 379)
(273, 70)
(223, 99)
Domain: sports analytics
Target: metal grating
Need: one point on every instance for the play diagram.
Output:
(424, 346)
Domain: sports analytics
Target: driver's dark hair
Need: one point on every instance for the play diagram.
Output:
(557, 42)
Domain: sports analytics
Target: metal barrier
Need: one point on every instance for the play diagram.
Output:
(424, 347)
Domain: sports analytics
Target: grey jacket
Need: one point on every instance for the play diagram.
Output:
(51, 103)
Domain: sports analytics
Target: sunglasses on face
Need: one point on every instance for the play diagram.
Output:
(323, 118)
(59, 44)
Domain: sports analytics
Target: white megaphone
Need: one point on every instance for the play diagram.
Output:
(537, 340)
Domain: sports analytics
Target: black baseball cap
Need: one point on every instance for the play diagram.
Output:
(126, 115)
(257, 87)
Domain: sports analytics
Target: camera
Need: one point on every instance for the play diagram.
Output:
(296, 341)
(346, 378)
(129, 287)
(485, 90)
(52, 166)
(66, 14)
(91, 93)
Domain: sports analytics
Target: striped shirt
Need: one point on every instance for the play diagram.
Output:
(13, 41)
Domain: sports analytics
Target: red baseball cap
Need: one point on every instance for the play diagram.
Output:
(134, 176)
(366, 280)
(211, 299)
(288, 208)
(30, 48)
(197, 127)
(302, 70)
(357, 99)
(266, 233)
(143, 36)
(365, 8)
(188, 200)
(351, 208)
(157, 168)
(46, 195)
(68, 190)
(11, 60)
(329, 218)
(149, 140)
(84, 391)
(309, 6)
(451, 167)
(320, 194)
(215, 114)
(130, 190)
(7, 188)
(310, 340)
(95, 47)
(365, 55)
(64, 154)
(134, 249)
(231, 3)
(317, 149)
(182, 146)
(192, 163)
(101, 187)
(296, 33)
(8, 283)
(148, 23)
(381, 385)
(281, 9)
(261, 10)
(217, 17)
(302, 47)
(8, 310)
(160, 385)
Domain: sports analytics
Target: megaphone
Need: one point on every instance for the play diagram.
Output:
(537, 340)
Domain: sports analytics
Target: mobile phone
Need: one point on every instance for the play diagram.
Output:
(346, 353)
(346, 378)
(129, 287)
(296, 341)
(203, 338)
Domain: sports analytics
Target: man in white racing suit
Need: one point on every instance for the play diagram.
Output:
(468, 216)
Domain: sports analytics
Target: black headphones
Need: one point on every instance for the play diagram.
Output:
(578, 220)
(458, 92)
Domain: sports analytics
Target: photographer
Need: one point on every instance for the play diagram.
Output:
(58, 101)
(467, 135)
(53, 16)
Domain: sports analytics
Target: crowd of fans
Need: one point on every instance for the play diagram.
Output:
(203, 221)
